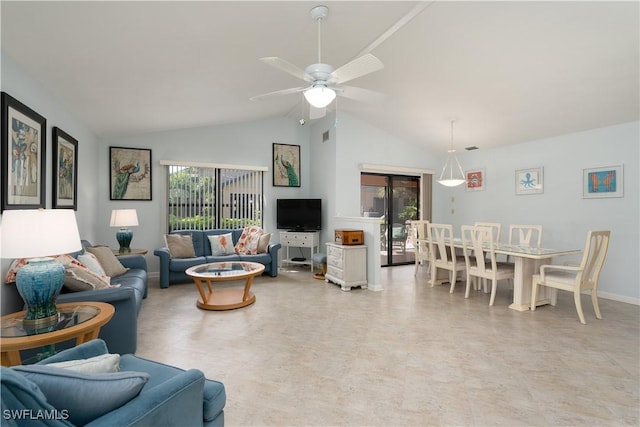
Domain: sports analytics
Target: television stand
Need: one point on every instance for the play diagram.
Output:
(300, 239)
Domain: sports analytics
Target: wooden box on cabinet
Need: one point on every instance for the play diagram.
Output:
(347, 265)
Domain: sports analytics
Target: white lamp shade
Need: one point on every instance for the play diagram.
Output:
(320, 96)
(39, 233)
(124, 218)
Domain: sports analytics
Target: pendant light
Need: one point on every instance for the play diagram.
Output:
(452, 179)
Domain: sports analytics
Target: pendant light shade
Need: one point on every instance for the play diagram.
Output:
(452, 174)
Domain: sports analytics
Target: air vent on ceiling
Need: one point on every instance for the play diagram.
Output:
(473, 147)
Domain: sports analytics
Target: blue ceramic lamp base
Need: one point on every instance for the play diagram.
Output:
(124, 236)
(39, 283)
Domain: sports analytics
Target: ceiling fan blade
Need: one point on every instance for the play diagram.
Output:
(287, 67)
(358, 67)
(317, 113)
(278, 93)
(360, 94)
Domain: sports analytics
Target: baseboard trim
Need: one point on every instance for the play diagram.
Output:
(619, 298)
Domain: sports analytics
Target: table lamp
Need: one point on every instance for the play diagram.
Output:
(39, 234)
(124, 218)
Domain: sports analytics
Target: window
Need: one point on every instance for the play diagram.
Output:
(202, 196)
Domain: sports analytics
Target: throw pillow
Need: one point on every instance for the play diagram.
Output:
(110, 264)
(263, 243)
(82, 279)
(92, 263)
(101, 364)
(221, 244)
(16, 265)
(180, 245)
(248, 241)
(85, 396)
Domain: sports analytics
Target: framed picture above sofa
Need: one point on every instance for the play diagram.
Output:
(65, 170)
(130, 173)
(23, 156)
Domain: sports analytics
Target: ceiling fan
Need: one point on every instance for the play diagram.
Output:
(324, 83)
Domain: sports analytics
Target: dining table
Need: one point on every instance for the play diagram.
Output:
(527, 262)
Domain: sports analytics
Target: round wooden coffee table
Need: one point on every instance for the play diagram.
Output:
(224, 299)
(79, 320)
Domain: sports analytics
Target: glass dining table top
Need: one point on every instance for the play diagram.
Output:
(505, 248)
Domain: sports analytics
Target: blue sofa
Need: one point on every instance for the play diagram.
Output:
(172, 270)
(121, 332)
(170, 397)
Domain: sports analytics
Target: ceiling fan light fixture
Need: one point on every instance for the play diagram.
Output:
(320, 96)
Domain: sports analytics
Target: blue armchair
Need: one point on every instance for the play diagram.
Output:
(171, 396)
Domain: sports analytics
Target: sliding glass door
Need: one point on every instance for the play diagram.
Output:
(395, 199)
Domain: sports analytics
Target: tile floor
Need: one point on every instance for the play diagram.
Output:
(308, 354)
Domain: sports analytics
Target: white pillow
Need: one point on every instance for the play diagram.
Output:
(222, 244)
(102, 364)
(92, 263)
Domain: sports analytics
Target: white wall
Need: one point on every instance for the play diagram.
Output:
(238, 144)
(19, 85)
(561, 210)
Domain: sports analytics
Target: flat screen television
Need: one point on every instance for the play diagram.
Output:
(299, 214)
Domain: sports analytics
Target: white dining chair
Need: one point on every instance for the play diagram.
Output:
(443, 253)
(576, 279)
(419, 235)
(480, 259)
(528, 236)
(495, 229)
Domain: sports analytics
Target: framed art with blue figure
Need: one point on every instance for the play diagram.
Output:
(286, 165)
(23, 156)
(130, 173)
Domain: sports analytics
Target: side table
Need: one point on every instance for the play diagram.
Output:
(79, 320)
(117, 252)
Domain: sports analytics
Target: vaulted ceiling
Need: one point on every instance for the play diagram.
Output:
(507, 72)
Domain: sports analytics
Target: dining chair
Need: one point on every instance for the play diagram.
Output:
(419, 235)
(576, 278)
(528, 236)
(495, 229)
(480, 259)
(443, 253)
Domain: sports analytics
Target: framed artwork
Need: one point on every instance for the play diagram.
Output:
(23, 156)
(602, 182)
(65, 170)
(529, 181)
(286, 165)
(130, 173)
(475, 180)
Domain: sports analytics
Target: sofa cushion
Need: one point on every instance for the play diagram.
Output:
(223, 258)
(221, 244)
(109, 262)
(181, 264)
(259, 258)
(180, 245)
(85, 396)
(248, 241)
(215, 398)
